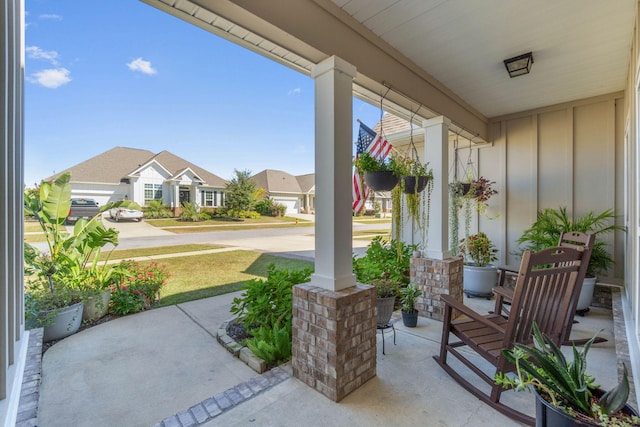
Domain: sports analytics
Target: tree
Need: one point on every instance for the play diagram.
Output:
(241, 191)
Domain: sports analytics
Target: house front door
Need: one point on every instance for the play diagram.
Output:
(185, 195)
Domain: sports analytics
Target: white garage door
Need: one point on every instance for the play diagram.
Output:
(293, 205)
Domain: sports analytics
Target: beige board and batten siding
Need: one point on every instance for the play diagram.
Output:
(562, 155)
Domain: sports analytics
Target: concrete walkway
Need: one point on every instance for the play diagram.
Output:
(165, 368)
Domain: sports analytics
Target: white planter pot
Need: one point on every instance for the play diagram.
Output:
(479, 281)
(96, 307)
(66, 322)
(586, 295)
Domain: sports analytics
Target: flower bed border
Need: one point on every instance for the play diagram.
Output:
(241, 352)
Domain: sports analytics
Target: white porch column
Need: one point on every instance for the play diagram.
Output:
(333, 150)
(436, 137)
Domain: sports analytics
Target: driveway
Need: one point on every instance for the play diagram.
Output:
(133, 229)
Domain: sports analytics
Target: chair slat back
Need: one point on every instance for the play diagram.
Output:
(547, 291)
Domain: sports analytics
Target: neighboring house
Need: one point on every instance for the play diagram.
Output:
(142, 176)
(297, 193)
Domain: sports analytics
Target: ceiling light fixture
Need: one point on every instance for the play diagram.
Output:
(519, 65)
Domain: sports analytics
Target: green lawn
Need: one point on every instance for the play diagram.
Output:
(160, 250)
(221, 221)
(370, 234)
(370, 220)
(202, 276)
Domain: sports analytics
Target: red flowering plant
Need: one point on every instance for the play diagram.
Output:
(139, 286)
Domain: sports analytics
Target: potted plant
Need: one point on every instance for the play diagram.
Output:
(479, 275)
(58, 279)
(385, 265)
(549, 225)
(379, 175)
(481, 190)
(565, 394)
(386, 293)
(408, 297)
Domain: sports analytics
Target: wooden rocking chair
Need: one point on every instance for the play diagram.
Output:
(504, 294)
(546, 291)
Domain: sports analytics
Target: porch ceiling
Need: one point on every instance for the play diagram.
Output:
(445, 55)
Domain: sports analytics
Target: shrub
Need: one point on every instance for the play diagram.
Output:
(138, 286)
(265, 310)
(269, 207)
(243, 214)
(155, 209)
(190, 212)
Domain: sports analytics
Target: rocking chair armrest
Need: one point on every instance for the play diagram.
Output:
(509, 269)
(504, 292)
(456, 305)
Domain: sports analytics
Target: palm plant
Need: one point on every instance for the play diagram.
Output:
(550, 223)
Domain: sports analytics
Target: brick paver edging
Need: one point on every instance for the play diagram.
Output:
(216, 405)
(243, 353)
(30, 391)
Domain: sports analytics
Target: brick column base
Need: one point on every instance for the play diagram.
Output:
(435, 277)
(334, 338)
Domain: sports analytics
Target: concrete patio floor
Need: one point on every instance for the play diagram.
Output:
(164, 367)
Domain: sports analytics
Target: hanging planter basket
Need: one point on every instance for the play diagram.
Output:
(410, 184)
(381, 180)
(466, 187)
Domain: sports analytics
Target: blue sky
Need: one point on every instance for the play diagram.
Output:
(122, 73)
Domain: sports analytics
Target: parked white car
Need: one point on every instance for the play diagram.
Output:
(119, 213)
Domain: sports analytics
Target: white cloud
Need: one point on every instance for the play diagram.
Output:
(141, 66)
(51, 78)
(51, 16)
(295, 91)
(35, 52)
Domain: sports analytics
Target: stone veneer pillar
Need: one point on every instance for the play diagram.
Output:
(435, 277)
(334, 338)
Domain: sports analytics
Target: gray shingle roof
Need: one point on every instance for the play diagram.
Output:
(307, 182)
(275, 181)
(121, 162)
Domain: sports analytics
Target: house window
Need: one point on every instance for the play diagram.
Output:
(152, 192)
(207, 198)
(211, 198)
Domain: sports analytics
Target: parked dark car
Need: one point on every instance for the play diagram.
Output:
(82, 208)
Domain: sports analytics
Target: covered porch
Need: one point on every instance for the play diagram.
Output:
(565, 134)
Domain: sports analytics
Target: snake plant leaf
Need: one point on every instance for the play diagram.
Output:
(615, 399)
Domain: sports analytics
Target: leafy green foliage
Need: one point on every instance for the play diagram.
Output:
(384, 260)
(138, 286)
(550, 223)
(408, 297)
(273, 345)
(241, 192)
(190, 212)
(479, 249)
(155, 209)
(70, 269)
(269, 302)
(242, 214)
(265, 310)
(269, 207)
(565, 383)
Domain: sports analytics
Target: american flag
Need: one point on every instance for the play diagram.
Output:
(379, 148)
